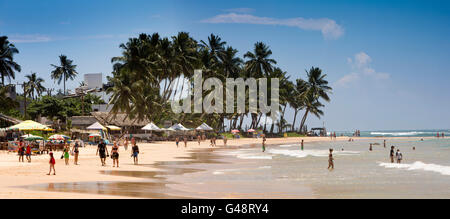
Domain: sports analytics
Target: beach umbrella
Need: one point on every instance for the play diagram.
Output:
(58, 137)
(235, 131)
(251, 130)
(151, 127)
(30, 125)
(179, 127)
(204, 127)
(96, 126)
(113, 128)
(30, 137)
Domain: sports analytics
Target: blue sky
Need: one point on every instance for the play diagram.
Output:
(386, 60)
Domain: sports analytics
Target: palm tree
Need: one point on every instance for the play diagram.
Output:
(317, 88)
(35, 85)
(215, 46)
(7, 64)
(65, 71)
(297, 99)
(259, 65)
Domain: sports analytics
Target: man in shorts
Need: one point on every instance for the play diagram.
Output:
(101, 149)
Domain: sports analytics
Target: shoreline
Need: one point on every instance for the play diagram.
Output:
(16, 178)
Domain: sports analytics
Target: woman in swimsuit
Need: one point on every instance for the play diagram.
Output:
(76, 152)
(115, 154)
(331, 160)
(52, 164)
(66, 154)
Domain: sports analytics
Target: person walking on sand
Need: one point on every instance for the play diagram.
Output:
(21, 151)
(225, 141)
(370, 148)
(302, 144)
(384, 143)
(264, 144)
(391, 154)
(214, 141)
(52, 163)
(28, 153)
(76, 152)
(399, 157)
(199, 139)
(177, 141)
(126, 143)
(330, 160)
(135, 152)
(115, 154)
(185, 141)
(102, 151)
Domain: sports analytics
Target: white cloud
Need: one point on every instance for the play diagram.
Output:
(31, 38)
(361, 69)
(329, 28)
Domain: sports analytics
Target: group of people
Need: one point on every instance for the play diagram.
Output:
(333, 135)
(398, 155)
(442, 135)
(103, 152)
(357, 133)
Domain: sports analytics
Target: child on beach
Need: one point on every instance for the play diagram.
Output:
(115, 154)
(28, 153)
(52, 164)
(177, 141)
(399, 157)
(135, 152)
(66, 154)
(330, 160)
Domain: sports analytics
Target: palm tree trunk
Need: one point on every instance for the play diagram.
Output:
(282, 119)
(64, 83)
(241, 121)
(304, 120)
(293, 123)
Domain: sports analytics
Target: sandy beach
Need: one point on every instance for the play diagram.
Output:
(17, 179)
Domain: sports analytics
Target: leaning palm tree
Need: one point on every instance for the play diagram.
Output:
(317, 88)
(35, 85)
(297, 100)
(65, 71)
(7, 65)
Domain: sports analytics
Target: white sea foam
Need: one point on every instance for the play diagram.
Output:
(399, 133)
(254, 156)
(288, 145)
(418, 165)
(306, 153)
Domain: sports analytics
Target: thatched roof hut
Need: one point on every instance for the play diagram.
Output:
(120, 120)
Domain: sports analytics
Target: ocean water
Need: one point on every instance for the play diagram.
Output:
(397, 133)
(285, 171)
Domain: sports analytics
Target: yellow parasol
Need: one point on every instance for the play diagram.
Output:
(30, 126)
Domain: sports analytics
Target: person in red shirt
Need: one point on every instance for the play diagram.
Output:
(28, 153)
(52, 164)
(21, 151)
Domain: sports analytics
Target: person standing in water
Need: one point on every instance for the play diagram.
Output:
(52, 163)
(135, 151)
(115, 154)
(330, 160)
(75, 152)
(391, 154)
(302, 144)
